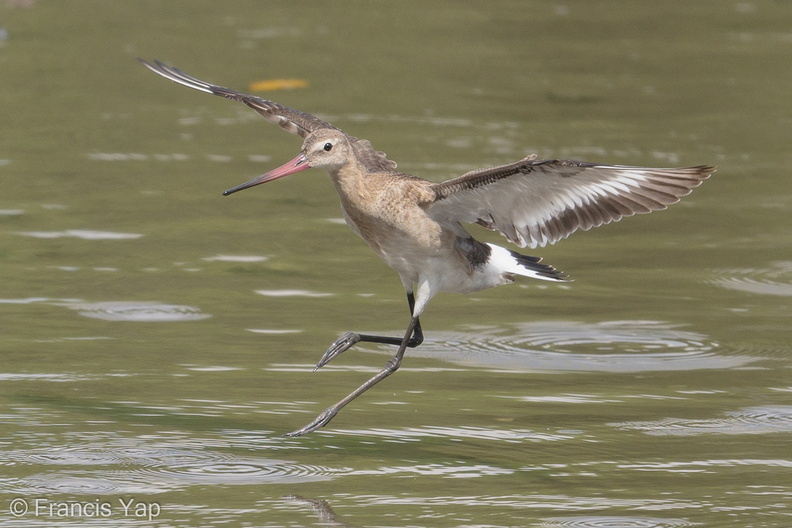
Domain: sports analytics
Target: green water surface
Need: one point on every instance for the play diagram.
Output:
(157, 339)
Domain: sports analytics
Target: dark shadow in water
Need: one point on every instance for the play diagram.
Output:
(322, 510)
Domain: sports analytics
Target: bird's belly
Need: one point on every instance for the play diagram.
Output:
(407, 257)
(443, 268)
(418, 249)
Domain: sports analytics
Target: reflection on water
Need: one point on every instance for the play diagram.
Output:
(753, 420)
(457, 434)
(773, 280)
(235, 258)
(292, 293)
(601, 521)
(709, 466)
(455, 471)
(147, 465)
(82, 233)
(138, 311)
(153, 312)
(321, 509)
(30, 300)
(44, 376)
(612, 346)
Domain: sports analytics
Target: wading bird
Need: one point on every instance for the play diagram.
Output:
(415, 225)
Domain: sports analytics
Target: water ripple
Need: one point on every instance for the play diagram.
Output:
(773, 280)
(413, 434)
(752, 420)
(137, 311)
(613, 346)
(59, 377)
(292, 293)
(151, 468)
(607, 521)
(533, 501)
(456, 470)
(702, 466)
(76, 483)
(242, 471)
(81, 233)
(235, 258)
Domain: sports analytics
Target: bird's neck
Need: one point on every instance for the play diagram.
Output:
(349, 181)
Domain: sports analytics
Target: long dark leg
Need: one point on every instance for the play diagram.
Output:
(392, 366)
(348, 340)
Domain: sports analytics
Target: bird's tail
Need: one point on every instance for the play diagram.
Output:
(512, 262)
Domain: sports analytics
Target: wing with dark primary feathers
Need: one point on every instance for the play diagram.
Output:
(538, 202)
(291, 120)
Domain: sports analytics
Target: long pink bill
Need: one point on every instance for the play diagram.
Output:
(296, 165)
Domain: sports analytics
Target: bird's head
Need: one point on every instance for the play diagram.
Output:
(325, 148)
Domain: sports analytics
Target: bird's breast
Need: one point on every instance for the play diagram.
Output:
(389, 214)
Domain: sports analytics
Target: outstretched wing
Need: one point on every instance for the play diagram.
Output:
(538, 202)
(291, 120)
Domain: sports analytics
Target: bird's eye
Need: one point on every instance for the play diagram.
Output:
(328, 147)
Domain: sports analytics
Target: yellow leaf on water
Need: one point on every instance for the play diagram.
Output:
(269, 85)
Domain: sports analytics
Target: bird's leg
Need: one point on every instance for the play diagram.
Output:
(348, 340)
(390, 367)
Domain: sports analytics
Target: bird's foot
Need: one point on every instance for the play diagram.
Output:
(342, 344)
(320, 421)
